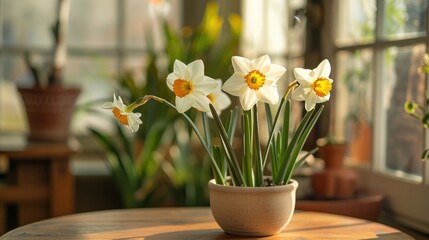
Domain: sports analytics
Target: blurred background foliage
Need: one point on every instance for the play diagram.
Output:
(156, 167)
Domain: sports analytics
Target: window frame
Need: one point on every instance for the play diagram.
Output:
(407, 197)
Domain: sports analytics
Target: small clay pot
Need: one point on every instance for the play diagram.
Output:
(49, 112)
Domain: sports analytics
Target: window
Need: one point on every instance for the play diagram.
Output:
(103, 37)
(378, 46)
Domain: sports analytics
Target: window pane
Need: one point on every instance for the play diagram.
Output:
(144, 19)
(136, 23)
(356, 21)
(12, 67)
(92, 23)
(91, 73)
(404, 17)
(353, 99)
(27, 23)
(404, 134)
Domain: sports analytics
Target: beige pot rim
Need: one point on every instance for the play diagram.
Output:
(293, 184)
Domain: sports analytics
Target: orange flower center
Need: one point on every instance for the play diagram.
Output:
(255, 79)
(182, 87)
(121, 118)
(322, 87)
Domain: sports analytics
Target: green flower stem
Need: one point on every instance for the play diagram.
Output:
(259, 174)
(273, 151)
(248, 147)
(236, 173)
(270, 139)
(206, 128)
(218, 173)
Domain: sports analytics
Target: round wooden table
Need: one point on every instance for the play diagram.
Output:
(192, 223)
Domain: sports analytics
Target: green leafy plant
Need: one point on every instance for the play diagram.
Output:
(181, 172)
(420, 111)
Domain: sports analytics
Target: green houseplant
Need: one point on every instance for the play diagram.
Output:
(138, 161)
(418, 110)
(253, 81)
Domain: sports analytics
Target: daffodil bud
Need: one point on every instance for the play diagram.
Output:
(410, 107)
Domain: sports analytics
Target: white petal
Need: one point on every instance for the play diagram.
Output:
(196, 69)
(201, 103)
(268, 94)
(119, 100)
(108, 105)
(248, 99)
(323, 99)
(260, 62)
(222, 101)
(323, 69)
(170, 80)
(299, 93)
(133, 122)
(183, 104)
(275, 72)
(303, 75)
(181, 69)
(241, 64)
(207, 86)
(235, 84)
(310, 102)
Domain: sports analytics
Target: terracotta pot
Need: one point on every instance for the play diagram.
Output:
(49, 111)
(252, 211)
(333, 154)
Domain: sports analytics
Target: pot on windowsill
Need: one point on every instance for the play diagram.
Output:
(252, 211)
(49, 111)
(335, 181)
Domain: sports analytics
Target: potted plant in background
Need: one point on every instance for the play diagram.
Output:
(243, 200)
(157, 166)
(335, 181)
(49, 104)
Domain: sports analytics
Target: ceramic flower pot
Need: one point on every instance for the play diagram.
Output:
(49, 111)
(252, 211)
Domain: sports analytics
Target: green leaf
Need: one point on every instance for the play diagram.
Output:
(298, 147)
(247, 164)
(231, 124)
(286, 124)
(295, 146)
(425, 154)
(220, 160)
(259, 171)
(236, 173)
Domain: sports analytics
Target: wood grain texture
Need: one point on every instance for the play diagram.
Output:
(191, 223)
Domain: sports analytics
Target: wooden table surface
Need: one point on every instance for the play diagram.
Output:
(191, 223)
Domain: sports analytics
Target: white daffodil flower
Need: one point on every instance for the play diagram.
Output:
(254, 80)
(314, 85)
(124, 114)
(190, 86)
(218, 99)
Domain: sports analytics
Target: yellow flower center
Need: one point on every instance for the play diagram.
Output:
(211, 97)
(182, 87)
(121, 118)
(255, 79)
(322, 87)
